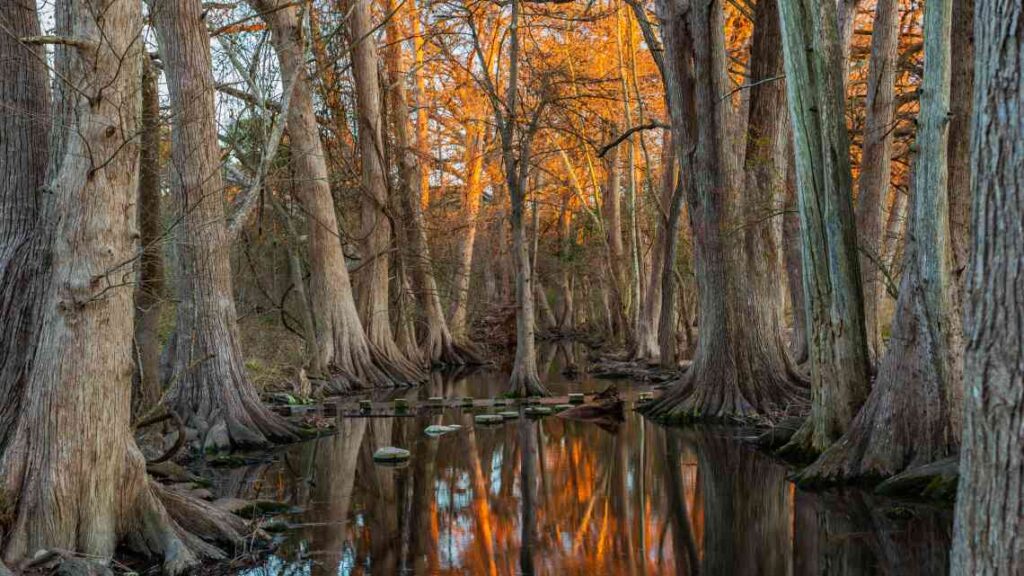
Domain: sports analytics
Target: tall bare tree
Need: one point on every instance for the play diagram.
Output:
(350, 360)
(835, 309)
(73, 477)
(210, 387)
(913, 414)
(376, 222)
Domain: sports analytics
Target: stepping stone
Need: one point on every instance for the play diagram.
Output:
(436, 401)
(466, 401)
(562, 407)
(644, 397)
(436, 430)
(365, 406)
(455, 427)
(510, 415)
(488, 419)
(576, 398)
(401, 405)
(538, 411)
(391, 455)
(501, 402)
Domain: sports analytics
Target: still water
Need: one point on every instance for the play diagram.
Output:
(569, 498)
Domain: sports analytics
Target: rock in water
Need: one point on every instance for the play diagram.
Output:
(488, 419)
(436, 430)
(510, 415)
(391, 455)
(538, 411)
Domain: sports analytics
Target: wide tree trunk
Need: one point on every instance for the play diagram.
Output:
(733, 374)
(25, 214)
(346, 353)
(988, 532)
(912, 416)
(373, 286)
(436, 344)
(832, 291)
(149, 291)
(210, 389)
(611, 211)
(73, 477)
(876, 161)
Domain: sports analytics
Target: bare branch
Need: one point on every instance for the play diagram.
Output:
(625, 135)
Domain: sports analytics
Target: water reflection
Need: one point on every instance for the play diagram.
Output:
(557, 497)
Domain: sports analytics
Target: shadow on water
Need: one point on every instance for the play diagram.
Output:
(565, 498)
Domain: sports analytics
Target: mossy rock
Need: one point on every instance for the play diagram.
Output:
(488, 419)
(577, 398)
(561, 407)
(509, 415)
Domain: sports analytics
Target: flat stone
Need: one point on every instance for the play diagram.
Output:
(488, 419)
(365, 406)
(562, 407)
(436, 430)
(538, 411)
(390, 454)
(436, 401)
(576, 398)
(455, 427)
(510, 415)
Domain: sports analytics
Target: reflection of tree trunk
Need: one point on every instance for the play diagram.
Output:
(481, 506)
(747, 510)
(336, 460)
(684, 547)
(528, 485)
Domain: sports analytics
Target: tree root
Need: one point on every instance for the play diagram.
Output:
(522, 385)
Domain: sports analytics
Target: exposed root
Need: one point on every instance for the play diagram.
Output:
(440, 350)
(368, 368)
(524, 385)
(716, 391)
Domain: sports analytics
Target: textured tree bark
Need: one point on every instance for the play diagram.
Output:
(876, 161)
(373, 281)
(733, 374)
(25, 210)
(344, 350)
(436, 344)
(149, 292)
(647, 327)
(913, 414)
(988, 532)
(962, 83)
(73, 477)
(794, 262)
(210, 388)
(834, 301)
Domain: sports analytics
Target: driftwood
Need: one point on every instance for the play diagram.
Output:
(606, 410)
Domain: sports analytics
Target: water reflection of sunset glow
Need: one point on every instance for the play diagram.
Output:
(642, 500)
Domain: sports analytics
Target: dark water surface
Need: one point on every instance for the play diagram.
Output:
(568, 498)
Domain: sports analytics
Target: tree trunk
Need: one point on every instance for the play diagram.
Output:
(647, 327)
(794, 262)
(25, 223)
(436, 344)
(912, 416)
(210, 389)
(373, 295)
(733, 374)
(988, 534)
(876, 161)
(149, 292)
(472, 195)
(351, 361)
(524, 381)
(962, 83)
(834, 301)
(73, 476)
